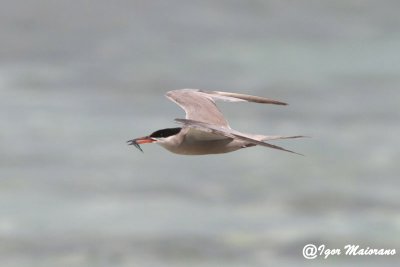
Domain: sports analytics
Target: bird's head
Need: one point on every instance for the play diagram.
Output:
(157, 136)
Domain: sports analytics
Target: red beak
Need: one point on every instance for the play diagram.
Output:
(144, 140)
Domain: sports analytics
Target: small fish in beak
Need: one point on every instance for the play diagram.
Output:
(141, 140)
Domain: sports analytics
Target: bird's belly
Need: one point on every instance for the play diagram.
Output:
(205, 147)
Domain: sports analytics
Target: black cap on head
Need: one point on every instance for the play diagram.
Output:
(166, 132)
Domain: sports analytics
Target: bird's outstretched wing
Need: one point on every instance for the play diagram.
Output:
(227, 132)
(200, 105)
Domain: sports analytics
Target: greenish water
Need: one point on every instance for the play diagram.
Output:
(78, 80)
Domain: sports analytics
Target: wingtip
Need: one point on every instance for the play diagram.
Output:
(274, 102)
(299, 154)
(277, 102)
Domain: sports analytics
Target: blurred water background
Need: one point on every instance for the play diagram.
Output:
(79, 78)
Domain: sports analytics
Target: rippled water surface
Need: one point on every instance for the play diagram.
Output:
(79, 79)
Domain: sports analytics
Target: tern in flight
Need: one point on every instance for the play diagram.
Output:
(205, 130)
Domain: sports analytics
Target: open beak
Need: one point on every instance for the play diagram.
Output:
(141, 140)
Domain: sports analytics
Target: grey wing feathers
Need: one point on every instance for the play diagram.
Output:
(242, 97)
(230, 133)
(198, 106)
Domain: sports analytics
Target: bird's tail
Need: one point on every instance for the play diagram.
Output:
(276, 137)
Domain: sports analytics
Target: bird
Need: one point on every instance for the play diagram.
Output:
(205, 130)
